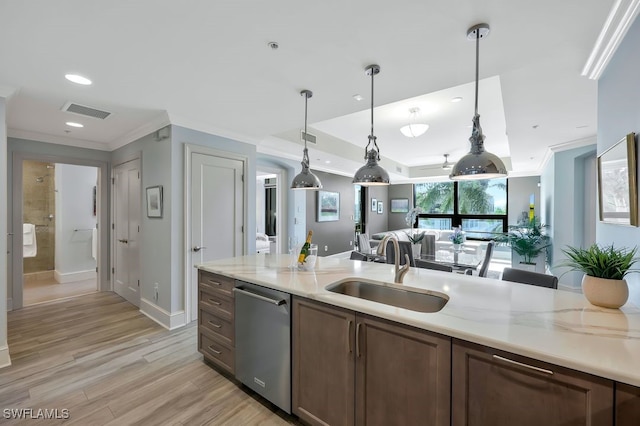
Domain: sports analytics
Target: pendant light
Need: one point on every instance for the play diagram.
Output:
(414, 129)
(371, 173)
(306, 179)
(447, 165)
(478, 163)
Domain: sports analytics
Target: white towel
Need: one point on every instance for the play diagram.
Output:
(29, 246)
(94, 243)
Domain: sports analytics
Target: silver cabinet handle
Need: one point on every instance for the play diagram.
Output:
(530, 367)
(358, 339)
(349, 335)
(257, 296)
(197, 249)
(210, 281)
(214, 351)
(214, 302)
(214, 324)
(124, 241)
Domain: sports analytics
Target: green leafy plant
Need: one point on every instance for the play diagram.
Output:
(527, 240)
(601, 262)
(415, 238)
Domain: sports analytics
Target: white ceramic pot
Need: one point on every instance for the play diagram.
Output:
(415, 250)
(604, 292)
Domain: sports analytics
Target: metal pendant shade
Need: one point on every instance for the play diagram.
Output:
(478, 163)
(371, 173)
(306, 179)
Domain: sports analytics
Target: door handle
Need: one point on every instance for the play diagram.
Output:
(124, 241)
(197, 249)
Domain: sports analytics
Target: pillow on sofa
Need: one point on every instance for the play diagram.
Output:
(262, 237)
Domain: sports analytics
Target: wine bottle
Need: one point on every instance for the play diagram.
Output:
(304, 252)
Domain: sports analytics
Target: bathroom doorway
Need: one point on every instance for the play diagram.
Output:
(59, 210)
(270, 215)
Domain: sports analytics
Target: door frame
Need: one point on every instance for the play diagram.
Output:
(281, 203)
(199, 149)
(17, 197)
(112, 241)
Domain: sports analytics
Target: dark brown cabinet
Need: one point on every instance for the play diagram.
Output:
(216, 333)
(350, 368)
(491, 387)
(627, 409)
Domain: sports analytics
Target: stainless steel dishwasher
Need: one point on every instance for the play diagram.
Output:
(263, 342)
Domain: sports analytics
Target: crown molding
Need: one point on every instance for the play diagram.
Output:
(60, 140)
(162, 120)
(565, 146)
(620, 18)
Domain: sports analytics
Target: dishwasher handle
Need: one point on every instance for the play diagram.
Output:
(277, 302)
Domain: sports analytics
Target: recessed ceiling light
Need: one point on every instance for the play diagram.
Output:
(273, 45)
(327, 161)
(73, 124)
(358, 97)
(456, 99)
(78, 79)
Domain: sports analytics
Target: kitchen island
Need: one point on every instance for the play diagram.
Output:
(553, 326)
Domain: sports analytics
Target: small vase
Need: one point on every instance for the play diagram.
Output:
(415, 250)
(457, 247)
(604, 292)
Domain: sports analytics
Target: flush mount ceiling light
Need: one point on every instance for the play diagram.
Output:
(306, 179)
(73, 124)
(78, 79)
(371, 173)
(447, 165)
(478, 163)
(413, 129)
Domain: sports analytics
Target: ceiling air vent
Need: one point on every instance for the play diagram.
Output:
(310, 138)
(85, 110)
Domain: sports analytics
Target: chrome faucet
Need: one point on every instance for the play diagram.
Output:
(400, 270)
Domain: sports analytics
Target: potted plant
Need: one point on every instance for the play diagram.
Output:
(528, 241)
(457, 238)
(604, 270)
(416, 242)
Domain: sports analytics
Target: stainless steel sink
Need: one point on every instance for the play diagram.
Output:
(415, 300)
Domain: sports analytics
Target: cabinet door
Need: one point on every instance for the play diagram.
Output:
(323, 366)
(403, 375)
(627, 405)
(491, 387)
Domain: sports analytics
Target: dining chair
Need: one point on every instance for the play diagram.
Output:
(356, 255)
(405, 248)
(528, 277)
(421, 263)
(484, 268)
(364, 245)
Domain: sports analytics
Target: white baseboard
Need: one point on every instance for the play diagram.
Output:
(5, 359)
(74, 276)
(168, 320)
(9, 304)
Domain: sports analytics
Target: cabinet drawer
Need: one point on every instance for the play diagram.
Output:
(215, 282)
(215, 324)
(216, 303)
(216, 352)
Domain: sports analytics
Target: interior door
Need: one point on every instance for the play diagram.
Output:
(217, 213)
(126, 201)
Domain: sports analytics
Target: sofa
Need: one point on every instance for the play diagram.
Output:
(441, 239)
(262, 243)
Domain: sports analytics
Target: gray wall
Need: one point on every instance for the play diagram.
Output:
(619, 114)
(397, 220)
(337, 236)
(520, 189)
(377, 222)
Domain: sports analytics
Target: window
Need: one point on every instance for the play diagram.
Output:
(479, 206)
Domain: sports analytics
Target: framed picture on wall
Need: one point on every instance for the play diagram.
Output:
(380, 207)
(617, 186)
(154, 201)
(399, 205)
(328, 206)
(374, 205)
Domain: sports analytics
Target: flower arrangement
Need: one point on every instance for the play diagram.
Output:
(410, 218)
(457, 237)
(415, 238)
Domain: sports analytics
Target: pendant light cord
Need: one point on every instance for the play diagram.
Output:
(477, 66)
(372, 74)
(305, 153)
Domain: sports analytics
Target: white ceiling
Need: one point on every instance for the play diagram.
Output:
(206, 65)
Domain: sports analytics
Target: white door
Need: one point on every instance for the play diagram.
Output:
(126, 201)
(217, 209)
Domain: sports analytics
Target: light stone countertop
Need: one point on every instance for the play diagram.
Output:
(555, 326)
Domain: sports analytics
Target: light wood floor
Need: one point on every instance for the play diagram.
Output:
(100, 358)
(34, 292)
